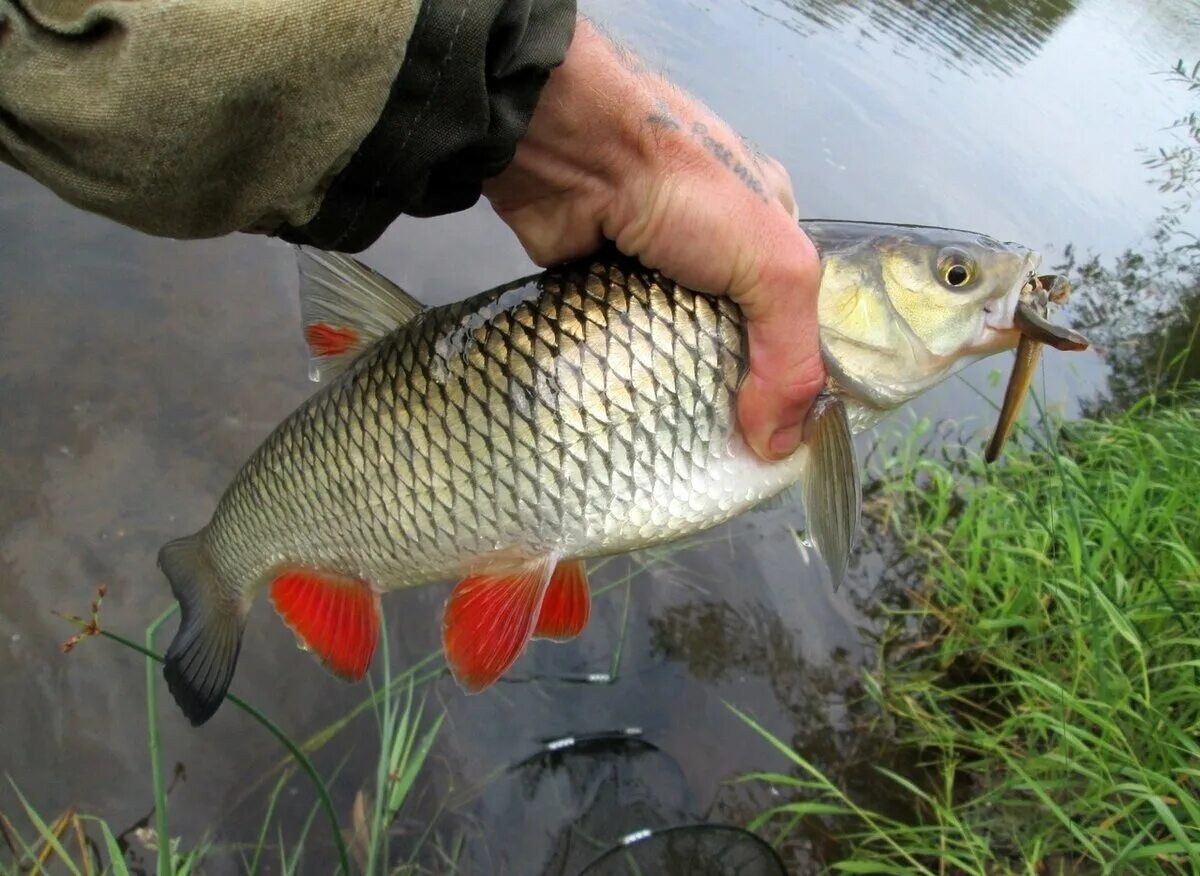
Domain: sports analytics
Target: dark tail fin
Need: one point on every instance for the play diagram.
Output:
(204, 652)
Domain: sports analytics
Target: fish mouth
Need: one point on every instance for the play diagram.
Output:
(1027, 320)
(999, 314)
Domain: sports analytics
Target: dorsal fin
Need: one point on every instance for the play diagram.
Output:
(346, 307)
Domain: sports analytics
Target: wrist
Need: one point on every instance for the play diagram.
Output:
(615, 152)
(592, 134)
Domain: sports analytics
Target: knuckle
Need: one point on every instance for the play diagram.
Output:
(797, 266)
(800, 385)
(536, 246)
(540, 257)
(647, 217)
(809, 381)
(776, 167)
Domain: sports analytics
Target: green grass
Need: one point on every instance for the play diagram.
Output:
(68, 843)
(1049, 677)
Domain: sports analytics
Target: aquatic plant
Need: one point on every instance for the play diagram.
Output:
(406, 740)
(1045, 670)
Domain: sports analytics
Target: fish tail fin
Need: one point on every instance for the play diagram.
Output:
(204, 652)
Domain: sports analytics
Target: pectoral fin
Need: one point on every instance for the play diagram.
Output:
(831, 487)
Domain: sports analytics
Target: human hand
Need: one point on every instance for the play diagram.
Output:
(615, 152)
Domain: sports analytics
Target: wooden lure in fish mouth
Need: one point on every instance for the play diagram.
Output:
(1029, 319)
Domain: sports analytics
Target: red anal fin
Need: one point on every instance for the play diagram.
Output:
(329, 340)
(489, 619)
(336, 616)
(567, 603)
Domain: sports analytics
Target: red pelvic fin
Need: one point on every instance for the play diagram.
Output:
(329, 340)
(567, 603)
(489, 619)
(336, 616)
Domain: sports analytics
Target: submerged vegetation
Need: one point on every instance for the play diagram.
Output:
(83, 844)
(1046, 672)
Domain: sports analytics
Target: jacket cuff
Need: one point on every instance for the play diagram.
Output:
(471, 77)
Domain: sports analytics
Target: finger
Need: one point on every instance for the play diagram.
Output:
(778, 181)
(779, 184)
(785, 370)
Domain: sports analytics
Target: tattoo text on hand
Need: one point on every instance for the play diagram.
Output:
(663, 118)
(725, 155)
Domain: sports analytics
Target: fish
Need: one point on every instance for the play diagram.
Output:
(588, 410)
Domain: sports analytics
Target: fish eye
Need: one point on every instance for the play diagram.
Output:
(956, 275)
(955, 268)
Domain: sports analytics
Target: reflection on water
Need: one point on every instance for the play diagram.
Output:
(576, 798)
(136, 375)
(832, 720)
(1143, 309)
(702, 850)
(996, 34)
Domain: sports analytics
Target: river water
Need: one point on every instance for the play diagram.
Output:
(137, 374)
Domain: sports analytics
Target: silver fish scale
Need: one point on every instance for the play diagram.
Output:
(583, 412)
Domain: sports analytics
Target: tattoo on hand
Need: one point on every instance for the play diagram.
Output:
(662, 117)
(725, 155)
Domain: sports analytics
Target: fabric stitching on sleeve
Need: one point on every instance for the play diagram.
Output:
(420, 115)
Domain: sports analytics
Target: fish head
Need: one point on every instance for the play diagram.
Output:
(902, 307)
(956, 292)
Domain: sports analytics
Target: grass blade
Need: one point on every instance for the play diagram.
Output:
(160, 795)
(48, 836)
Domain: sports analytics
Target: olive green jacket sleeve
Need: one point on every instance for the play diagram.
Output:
(319, 121)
